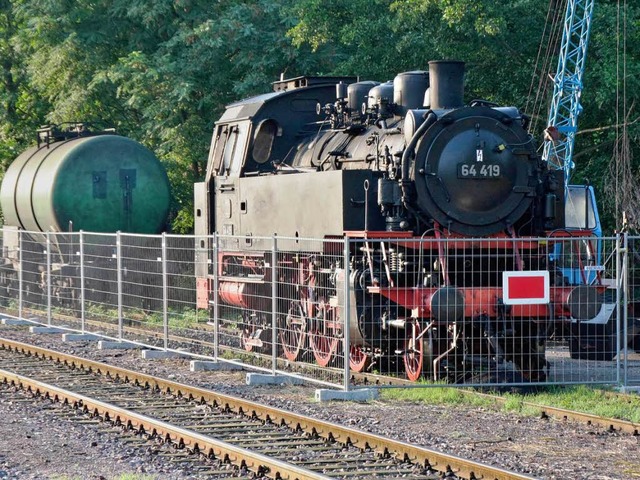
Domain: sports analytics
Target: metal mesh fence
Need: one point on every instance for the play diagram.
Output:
(293, 324)
(630, 329)
(466, 311)
(140, 279)
(486, 310)
(97, 279)
(183, 314)
(34, 273)
(311, 306)
(10, 278)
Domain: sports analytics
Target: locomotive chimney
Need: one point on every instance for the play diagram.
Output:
(446, 79)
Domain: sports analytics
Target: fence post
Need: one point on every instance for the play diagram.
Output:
(617, 310)
(119, 281)
(274, 304)
(216, 311)
(347, 308)
(622, 306)
(48, 278)
(165, 298)
(82, 306)
(20, 272)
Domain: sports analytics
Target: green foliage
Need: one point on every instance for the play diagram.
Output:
(20, 109)
(183, 318)
(100, 312)
(397, 36)
(162, 71)
(584, 399)
(508, 49)
(605, 107)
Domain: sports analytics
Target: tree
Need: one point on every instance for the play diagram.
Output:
(396, 36)
(158, 71)
(161, 71)
(206, 57)
(599, 141)
(21, 107)
(508, 48)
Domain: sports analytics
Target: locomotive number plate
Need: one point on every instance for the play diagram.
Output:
(479, 170)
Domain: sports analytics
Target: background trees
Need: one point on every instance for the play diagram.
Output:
(161, 71)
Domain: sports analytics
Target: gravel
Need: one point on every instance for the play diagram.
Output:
(37, 445)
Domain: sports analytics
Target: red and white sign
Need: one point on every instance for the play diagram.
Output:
(525, 288)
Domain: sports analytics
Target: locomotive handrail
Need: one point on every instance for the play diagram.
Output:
(430, 119)
(259, 279)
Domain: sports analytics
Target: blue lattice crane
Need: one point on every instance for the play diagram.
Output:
(581, 212)
(565, 105)
(594, 338)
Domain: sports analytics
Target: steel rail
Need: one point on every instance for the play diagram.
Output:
(373, 380)
(610, 424)
(260, 464)
(365, 379)
(448, 464)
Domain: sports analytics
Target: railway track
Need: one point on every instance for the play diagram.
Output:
(368, 379)
(223, 429)
(198, 341)
(197, 346)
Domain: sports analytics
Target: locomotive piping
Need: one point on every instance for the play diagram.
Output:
(408, 152)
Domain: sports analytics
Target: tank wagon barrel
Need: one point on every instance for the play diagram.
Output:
(78, 180)
(73, 180)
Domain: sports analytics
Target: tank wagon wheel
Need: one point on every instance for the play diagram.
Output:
(246, 332)
(245, 339)
(251, 333)
(322, 340)
(358, 359)
(293, 331)
(413, 351)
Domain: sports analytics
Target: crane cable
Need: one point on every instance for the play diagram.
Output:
(616, 151)
(553, 23)
(540, 77)
(555, 37)
(621, 183)
(627, 199)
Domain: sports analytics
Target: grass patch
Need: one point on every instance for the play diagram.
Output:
(596, 401)
(435, 394)
(100, 312)
(184, 319)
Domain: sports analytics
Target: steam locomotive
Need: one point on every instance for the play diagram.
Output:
(436, 198)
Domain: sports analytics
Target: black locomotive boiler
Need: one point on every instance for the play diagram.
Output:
(437, 198)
